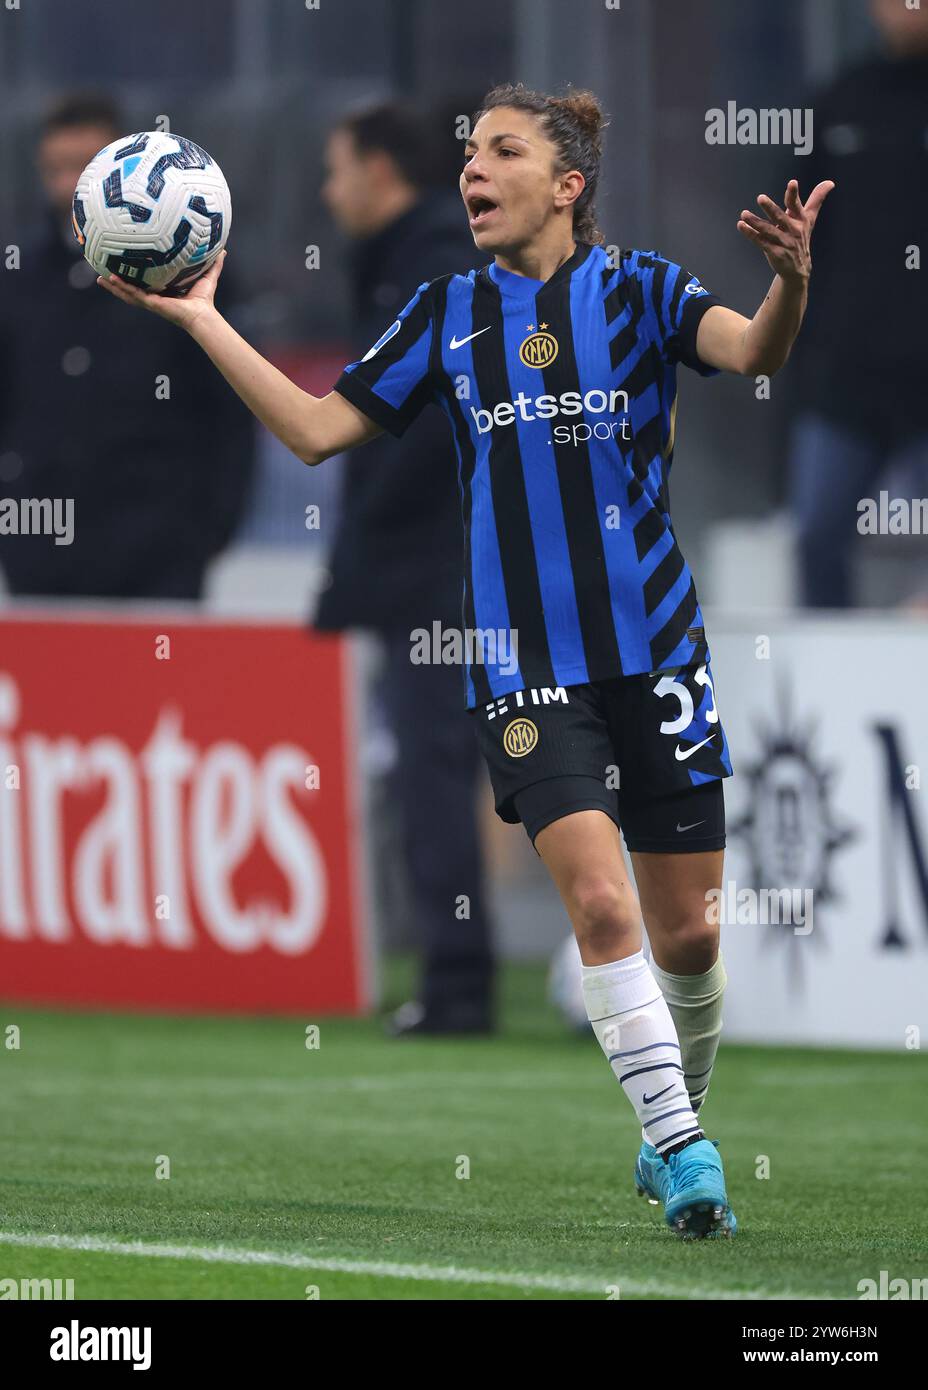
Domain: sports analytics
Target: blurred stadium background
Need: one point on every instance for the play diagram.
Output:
(826, 723)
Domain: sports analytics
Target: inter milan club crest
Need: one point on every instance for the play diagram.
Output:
(520, 737)
(540, 348)
(790, 828)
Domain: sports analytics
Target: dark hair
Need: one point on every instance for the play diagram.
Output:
(399, 130)
(83, 108)
(574, 123)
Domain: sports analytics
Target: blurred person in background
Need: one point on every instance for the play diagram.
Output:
(397, 561)
(158, 484)
(861, 359)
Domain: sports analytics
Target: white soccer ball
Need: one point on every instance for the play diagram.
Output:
(565, 984)
(152, 209)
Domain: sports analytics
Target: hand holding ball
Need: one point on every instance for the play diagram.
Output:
(152, 210)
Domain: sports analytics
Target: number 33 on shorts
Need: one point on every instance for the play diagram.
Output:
(689, 720)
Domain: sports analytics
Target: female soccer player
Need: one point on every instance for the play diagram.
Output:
(587, 670)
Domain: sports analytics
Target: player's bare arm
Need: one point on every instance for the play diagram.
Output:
(314, 428)
(761, 345)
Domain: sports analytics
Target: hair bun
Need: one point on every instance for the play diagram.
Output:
(586, 110)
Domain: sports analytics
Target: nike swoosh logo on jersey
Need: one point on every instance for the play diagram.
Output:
(681, 754)
(681, 828)
(646, 1100)
(459, 342)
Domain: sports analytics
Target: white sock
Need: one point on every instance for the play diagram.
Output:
(695, 1003)
(632, 1022)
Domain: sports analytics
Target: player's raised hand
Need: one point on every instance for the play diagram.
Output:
(180, 309)
(784, 234)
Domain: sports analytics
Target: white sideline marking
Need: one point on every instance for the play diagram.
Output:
(403, 1081)
(448, 1274)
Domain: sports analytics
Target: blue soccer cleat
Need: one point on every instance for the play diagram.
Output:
(695, 1200)
(652, 1175)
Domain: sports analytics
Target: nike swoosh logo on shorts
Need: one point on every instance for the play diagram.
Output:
(646, 1100)
(681, 828)
(682, 754)
(459, 342)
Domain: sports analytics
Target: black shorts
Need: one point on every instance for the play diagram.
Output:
(649, 750)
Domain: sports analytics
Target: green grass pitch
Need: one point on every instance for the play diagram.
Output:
(340, 1170)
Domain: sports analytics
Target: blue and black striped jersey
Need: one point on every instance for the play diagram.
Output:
(562, 401)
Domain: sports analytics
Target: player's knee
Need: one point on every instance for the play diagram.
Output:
(601, 915)
(694, 942)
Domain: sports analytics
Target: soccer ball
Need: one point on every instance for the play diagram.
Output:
(565, 984)
(152, 209)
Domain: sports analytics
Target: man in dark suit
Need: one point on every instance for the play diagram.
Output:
(859, 363)
(117, 411)
(397, 563)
